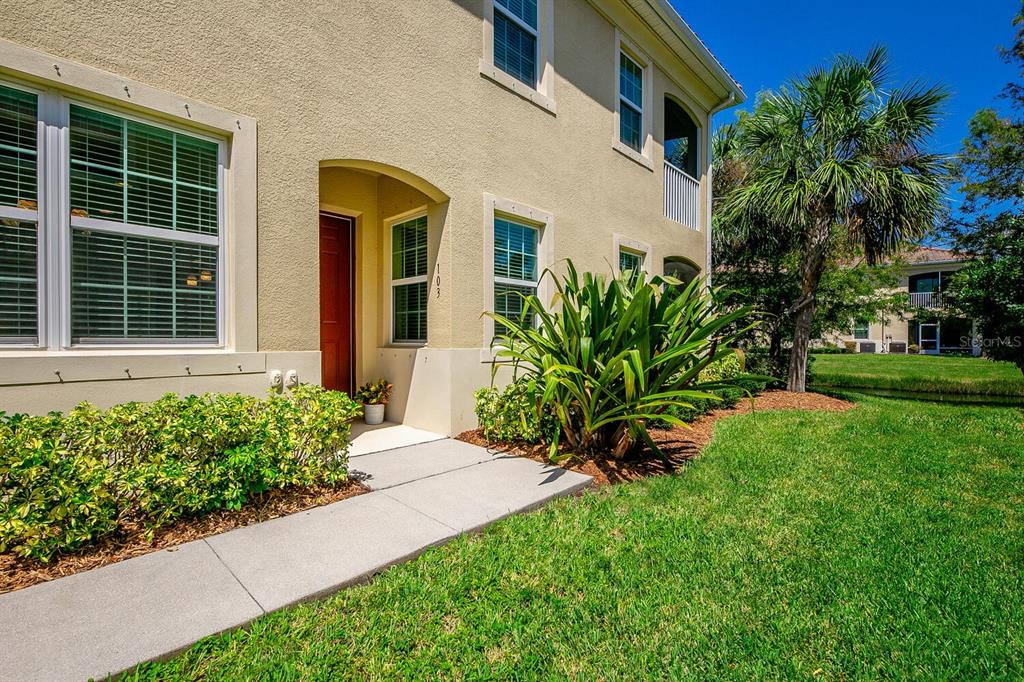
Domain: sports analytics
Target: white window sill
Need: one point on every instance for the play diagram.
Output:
(493, 73)
(633, 155)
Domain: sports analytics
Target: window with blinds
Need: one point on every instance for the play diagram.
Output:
(515, 39)
(140, 219)
(631, 102)
(19, 219)
(145, 224)
(630, 261)
(409, 281)
(515, 268)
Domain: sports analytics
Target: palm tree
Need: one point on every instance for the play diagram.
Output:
(830, 163)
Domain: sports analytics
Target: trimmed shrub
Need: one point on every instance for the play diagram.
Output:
(68, 480)
(514, 413)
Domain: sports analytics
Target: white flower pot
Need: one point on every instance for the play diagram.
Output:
(373, 414)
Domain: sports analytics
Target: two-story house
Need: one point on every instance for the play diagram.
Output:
(925, 327)
(211, 197)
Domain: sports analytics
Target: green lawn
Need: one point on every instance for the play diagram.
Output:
(919, 373)
(887, 541)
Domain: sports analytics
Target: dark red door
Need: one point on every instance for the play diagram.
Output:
(337, 309)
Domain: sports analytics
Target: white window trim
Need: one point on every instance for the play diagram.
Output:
(545, 224)
(642, 249)
(543, 95)
(389, 224)
(645, 156)
(58, 82)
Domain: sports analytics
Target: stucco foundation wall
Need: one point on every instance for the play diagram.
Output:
(397, 83)
(32, 386)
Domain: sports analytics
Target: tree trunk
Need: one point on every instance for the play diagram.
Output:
(811, 267)
(797, 380)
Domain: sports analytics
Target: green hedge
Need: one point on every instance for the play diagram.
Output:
(514, 414)
(68, 480)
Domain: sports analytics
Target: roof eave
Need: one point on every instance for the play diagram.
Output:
(682, 39)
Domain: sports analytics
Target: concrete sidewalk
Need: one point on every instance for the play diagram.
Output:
(107, 620)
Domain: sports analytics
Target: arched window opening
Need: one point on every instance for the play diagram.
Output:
(680, 138)
(681, 269)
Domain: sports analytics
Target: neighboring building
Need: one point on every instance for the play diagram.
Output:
(926, 327)
(196, 196)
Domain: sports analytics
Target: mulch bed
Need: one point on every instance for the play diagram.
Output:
(17, 573)
(680, 445)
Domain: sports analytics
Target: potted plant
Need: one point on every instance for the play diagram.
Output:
(374, 395)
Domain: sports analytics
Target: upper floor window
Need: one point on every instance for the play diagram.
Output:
(633, 103)
(409, 281)
(141, 224)
(862, 329)
(519, 47)
(515, 39)
(926, 283)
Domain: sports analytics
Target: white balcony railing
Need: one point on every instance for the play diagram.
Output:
(926, 299)
(682, 197)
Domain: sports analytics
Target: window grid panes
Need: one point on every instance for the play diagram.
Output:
(19, 267)
(409, 281)
(515, 42)
(19, 238)
(19, 179)
(130, 172)
(862, 330)
(631, 97)
(524, 10)
(515, 268)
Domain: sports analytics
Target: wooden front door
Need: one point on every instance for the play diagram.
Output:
(337, 302)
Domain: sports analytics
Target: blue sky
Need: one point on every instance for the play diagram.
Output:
(763, 44)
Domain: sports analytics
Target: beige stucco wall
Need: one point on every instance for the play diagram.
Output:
(397, 83)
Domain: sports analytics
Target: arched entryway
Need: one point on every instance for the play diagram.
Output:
(380, 227)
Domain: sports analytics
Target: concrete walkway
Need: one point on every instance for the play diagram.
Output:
(107, 620)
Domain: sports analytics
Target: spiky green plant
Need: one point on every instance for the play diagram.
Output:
(611, 355)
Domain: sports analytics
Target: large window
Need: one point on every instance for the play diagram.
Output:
(141, 221)
(515, 39)
(631, 102)
(862, 329)
(516, 270)
(409, 281)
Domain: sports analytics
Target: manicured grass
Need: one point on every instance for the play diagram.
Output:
(919, 373)
(887, 541)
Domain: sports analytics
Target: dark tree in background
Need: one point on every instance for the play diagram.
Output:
(990, 228)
